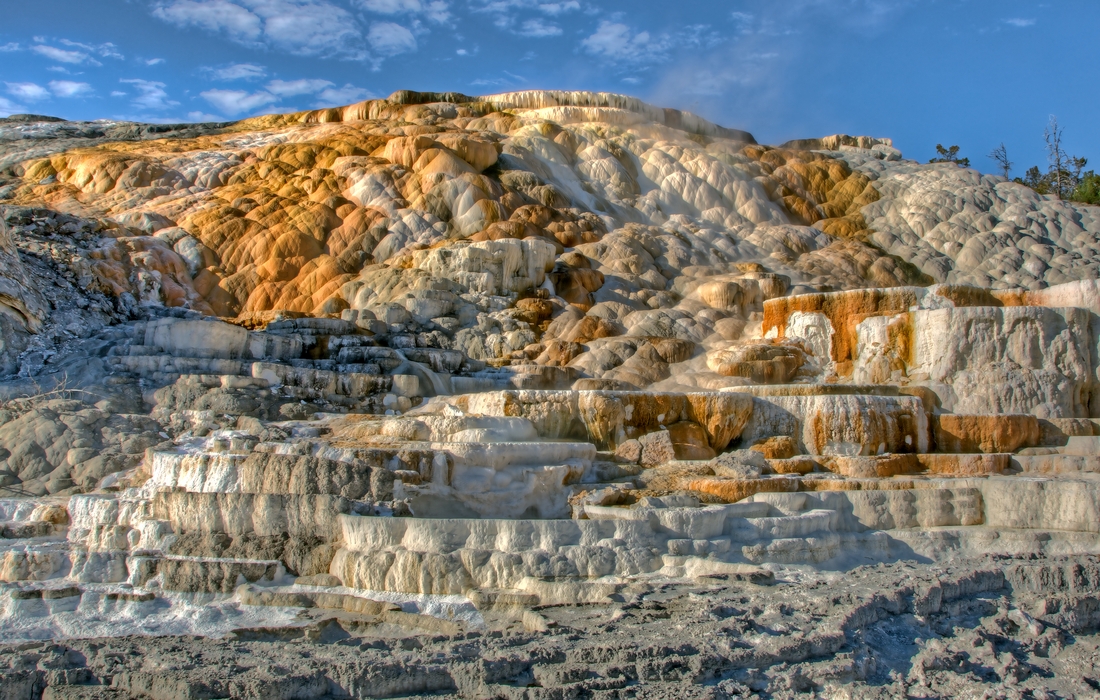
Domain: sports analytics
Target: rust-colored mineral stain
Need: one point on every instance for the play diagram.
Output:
(841, 308)
(734, 490)
(985, 433)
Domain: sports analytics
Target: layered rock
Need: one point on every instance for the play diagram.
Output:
(531, 349)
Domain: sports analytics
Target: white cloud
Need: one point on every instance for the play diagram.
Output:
(203, 117)
(539, 28)
(154, 61)
(118, 93)
(743, 20)
(69, 88)
(31, 92)
(10, 46)
(390, 39)
(461, 52)
(391, 7)
(107, 50)
(349, 94)
(506, 79)
(300, 27)
(238, 71)
(505, 14)
(76, 54)
(152, 95)
(64, 56)
(291, 88)
(8, 108)
(214, 16)
(237, 102)
(437, 11)
(557, 8)
(618, 42)
(1020, 22)
(234, 102)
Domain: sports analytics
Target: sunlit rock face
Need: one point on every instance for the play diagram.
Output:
(532, 349)
(633, 221)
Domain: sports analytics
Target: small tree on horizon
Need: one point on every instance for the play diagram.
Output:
(1000, 156)
(1057, 158)
(950, 155)
(1065, 176)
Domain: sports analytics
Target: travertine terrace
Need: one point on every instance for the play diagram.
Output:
(456, 383)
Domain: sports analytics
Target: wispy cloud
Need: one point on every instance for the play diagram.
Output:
(64, 56)
(151, 94)
(335, 97)
(506, 15)
(10, 46)
(742, 20)
(69, 88)
(557, 8)
(292, 88)
(437, 11)
(238, 22)
(1020, 22)
(33, 92)
(154, 61)
(29, 92)
(506, 79)
(8, 108)
(107, 50)
(389, 39)
(618, 42)
(390, 7)
(237, 71)
(234, 102)
(203, 117)
(539, 28)
(76, 53)
(299, 27)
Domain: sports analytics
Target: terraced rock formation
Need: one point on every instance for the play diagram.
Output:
(446, 386)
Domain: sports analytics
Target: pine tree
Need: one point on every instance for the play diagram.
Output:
(950, 155)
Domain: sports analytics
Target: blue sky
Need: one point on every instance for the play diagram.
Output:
(967, 72)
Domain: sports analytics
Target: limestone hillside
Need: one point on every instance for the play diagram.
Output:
(561, 228)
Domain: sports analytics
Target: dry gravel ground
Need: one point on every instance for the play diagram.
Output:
(992, 629)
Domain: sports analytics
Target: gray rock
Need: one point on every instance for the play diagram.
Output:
(740, 464)
(656, 448)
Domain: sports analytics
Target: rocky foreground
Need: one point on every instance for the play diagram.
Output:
(993, 628)
(538, 395)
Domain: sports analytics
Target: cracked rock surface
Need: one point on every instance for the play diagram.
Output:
(996, 628)
(538, 395)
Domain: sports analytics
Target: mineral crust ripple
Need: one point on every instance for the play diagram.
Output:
(538, 395)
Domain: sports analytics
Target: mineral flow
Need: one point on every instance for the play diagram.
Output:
(539, 394)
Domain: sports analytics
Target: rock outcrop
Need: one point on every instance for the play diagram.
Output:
(459, 356)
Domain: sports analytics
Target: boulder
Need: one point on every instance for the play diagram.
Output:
(657, 448)
(740, 464)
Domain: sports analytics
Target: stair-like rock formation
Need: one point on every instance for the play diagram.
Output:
(451, 355)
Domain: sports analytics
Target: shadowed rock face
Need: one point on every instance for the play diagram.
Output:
(438, 364)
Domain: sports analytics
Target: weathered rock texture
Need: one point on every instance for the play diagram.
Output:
(438, 364)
